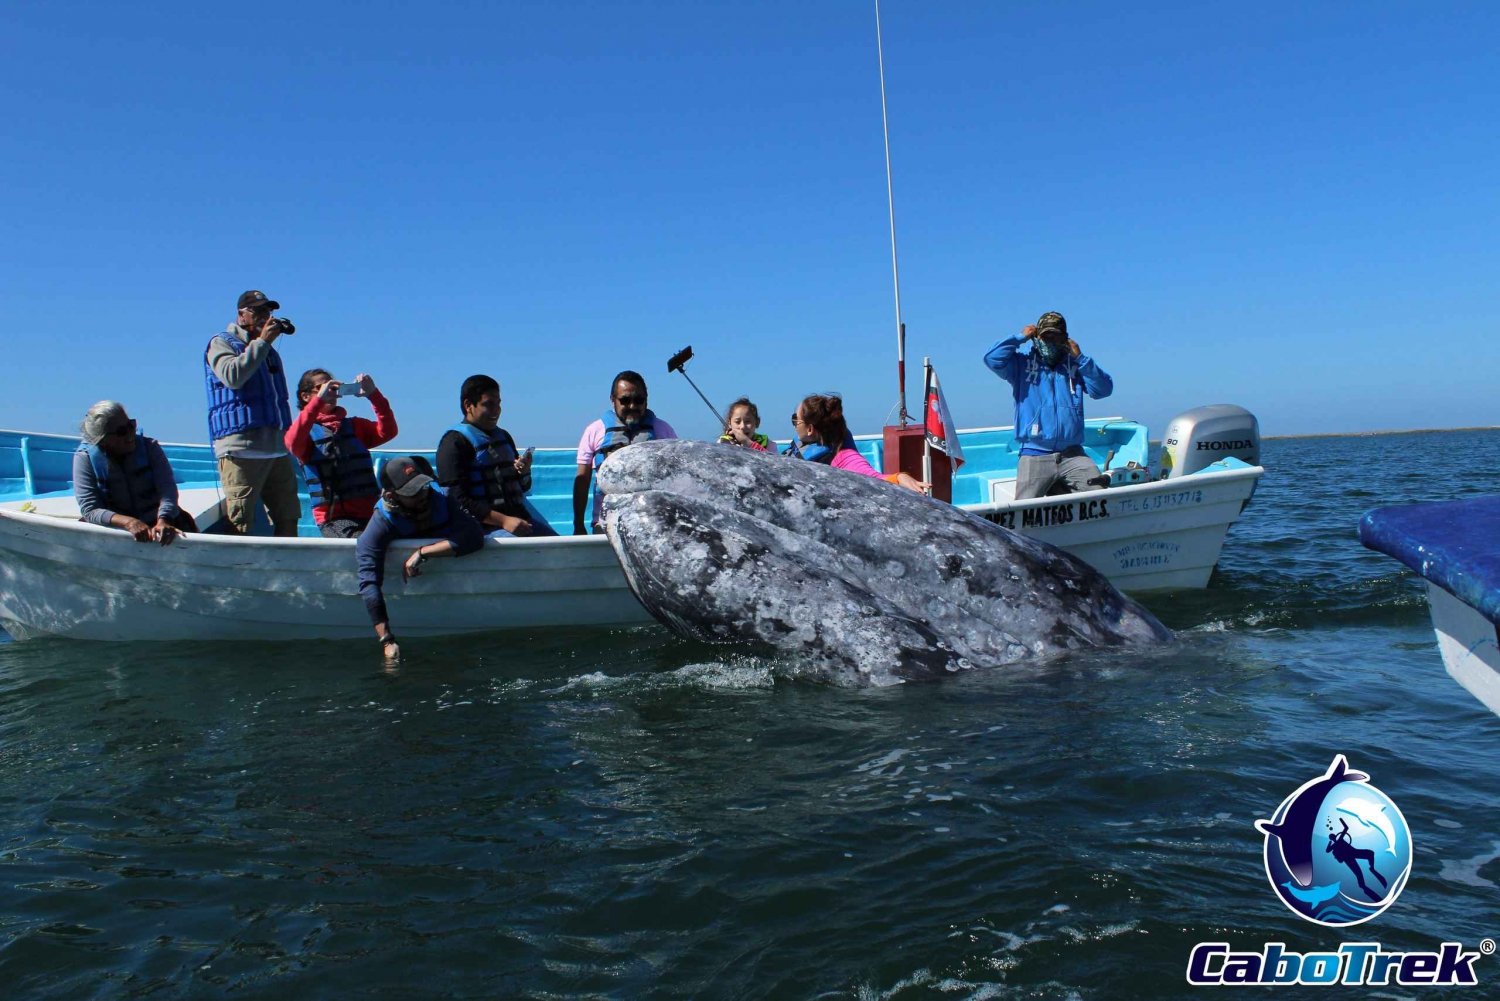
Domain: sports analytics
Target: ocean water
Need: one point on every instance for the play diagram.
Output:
(622, 815)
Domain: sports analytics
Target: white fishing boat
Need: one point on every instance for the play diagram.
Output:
(62, 577)
(1455, 546)
(1145, 534)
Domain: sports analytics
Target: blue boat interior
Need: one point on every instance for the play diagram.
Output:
(36, 466)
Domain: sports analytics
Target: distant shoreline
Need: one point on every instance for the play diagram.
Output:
(1363, 434)
(1370, 434)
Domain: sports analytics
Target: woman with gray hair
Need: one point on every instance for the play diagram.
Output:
(123, 480)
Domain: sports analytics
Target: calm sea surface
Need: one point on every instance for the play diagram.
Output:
(624, 815)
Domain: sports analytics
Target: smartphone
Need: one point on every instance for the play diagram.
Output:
(528, 453)
(350, 389)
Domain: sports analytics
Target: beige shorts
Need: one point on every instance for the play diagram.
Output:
(249, 483)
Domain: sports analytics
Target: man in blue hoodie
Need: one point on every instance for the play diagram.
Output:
(1048, 384)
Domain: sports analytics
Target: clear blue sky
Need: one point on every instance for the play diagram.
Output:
(1292, 207)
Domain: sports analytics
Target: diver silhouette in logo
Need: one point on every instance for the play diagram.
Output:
(1342, 847)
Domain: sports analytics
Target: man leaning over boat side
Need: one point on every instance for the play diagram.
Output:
(1048, 384)
(248, 413)
(627, 421)
(412, 506)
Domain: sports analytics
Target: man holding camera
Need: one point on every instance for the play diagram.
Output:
(248, 413)
(1048, 384)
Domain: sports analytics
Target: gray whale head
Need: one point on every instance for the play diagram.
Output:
(869, 582)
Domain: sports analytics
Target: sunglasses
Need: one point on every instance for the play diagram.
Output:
(797, 419)
(629, 401)
(123, 431)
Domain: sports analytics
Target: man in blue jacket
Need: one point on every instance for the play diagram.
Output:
(1048, 384)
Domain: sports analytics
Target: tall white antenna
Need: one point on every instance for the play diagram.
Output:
(890, 198)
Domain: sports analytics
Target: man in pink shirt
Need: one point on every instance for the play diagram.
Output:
(626, 422)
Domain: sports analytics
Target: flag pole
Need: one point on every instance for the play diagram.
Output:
(890, 199)
(926, 409)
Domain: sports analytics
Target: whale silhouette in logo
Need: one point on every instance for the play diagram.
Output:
(1312, 895)
(858, 580)
(1294, 832)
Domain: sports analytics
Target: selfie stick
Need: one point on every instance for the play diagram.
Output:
(676, 363)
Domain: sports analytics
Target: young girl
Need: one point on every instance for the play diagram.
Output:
(740, 429)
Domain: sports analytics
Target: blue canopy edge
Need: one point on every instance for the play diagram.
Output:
(1454, 544)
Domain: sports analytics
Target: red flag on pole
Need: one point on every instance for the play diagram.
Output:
(942, 433)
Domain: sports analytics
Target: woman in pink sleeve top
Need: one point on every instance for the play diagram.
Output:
(820, 427)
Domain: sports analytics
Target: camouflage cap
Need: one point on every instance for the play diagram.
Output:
(1052, 321)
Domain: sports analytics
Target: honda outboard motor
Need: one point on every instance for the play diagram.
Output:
(1204, 435)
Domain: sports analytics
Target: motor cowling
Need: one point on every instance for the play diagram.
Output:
(1202, 436)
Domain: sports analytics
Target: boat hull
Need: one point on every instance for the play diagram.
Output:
(84, 582)
(1470, 644)
(1159, 536)
(1455, 546)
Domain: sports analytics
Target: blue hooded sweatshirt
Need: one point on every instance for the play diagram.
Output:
(1049, 399)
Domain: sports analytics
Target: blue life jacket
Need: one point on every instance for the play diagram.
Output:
(493, 477)
(341, 467)
(617, 435)
(817, 452)
(261, 402)
(408, 527)
(143, 496)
